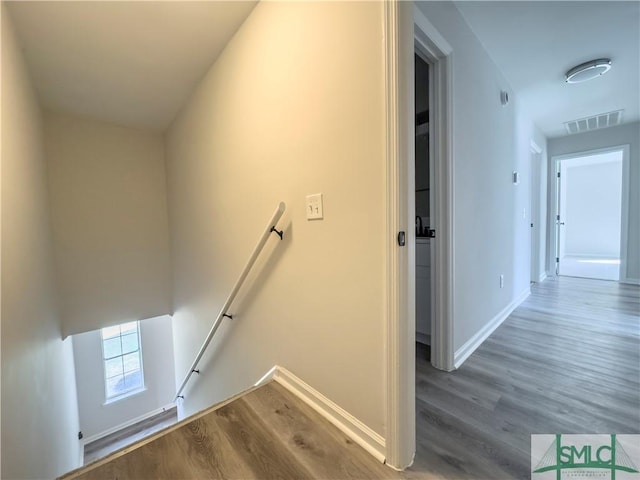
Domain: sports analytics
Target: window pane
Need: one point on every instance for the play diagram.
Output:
(122, 359)
(131, 362)
(129, 327)
(130, 342)
(112, 347)
(115, 386)
(109, 332)
(133, 380)
(113, 367)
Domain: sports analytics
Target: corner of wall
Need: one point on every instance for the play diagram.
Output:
(39, 406)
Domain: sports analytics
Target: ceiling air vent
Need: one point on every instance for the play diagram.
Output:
(602, 120)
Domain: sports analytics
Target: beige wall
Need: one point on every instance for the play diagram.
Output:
(39, 409)
(108, 201)
(293, 106)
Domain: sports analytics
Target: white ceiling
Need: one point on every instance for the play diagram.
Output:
(135, 63)
(534, 43)
(131, 63)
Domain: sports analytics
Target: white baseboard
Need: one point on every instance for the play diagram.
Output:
(474, 342)
(347, 423)
(126, 424)
(542, 277)
(81, 453)
(631, 281)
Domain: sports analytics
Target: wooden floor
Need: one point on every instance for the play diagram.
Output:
(266, 434)
(566, 361)
(104, 446)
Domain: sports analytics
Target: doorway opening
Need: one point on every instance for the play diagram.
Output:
(423, 207)
(591, 214)
(433, 199)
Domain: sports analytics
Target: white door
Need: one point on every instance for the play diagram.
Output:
(589, 221)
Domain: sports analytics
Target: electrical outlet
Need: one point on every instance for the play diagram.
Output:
(501, 281)
(314, 207)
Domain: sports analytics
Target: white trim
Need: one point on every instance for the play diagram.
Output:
(125, 395)
(405, 29)
(128, 423)
(371, 441)
(430, 34)
(631, 281)
(535, 204)
(439, 54)
(474, 342)
(81, 444)
(267, 377)
(542, 277)
(399, 374)
(624, 227)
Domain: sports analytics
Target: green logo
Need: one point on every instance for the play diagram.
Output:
(583, 456)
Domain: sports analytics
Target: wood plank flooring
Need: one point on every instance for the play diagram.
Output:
(566, 361)
(104, 446)
(267, 433)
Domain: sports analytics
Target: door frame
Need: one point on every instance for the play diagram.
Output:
(430, 44)
(534, 210)
(624, 224)
(404, 28)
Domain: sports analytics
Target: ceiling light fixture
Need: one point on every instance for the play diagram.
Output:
(587, 71)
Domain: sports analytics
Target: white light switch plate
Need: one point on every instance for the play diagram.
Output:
(314, 206)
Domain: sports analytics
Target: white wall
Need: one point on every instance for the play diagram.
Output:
(628, 134)
(490, 142)
(39, 409)
(96, 418)
(293, 106)
(110, 228)
(591, 205)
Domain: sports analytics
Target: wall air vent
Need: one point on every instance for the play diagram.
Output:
(602, 120)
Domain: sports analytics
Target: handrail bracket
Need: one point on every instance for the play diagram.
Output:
(268, 229)
(278, 232)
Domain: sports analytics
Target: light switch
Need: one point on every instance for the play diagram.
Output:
(314, 206)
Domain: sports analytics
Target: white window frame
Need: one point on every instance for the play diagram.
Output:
(132, 391)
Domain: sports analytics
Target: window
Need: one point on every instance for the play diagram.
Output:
(122, 357)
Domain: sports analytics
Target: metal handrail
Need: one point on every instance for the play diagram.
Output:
(271, 227)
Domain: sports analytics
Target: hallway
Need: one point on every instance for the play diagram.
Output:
(566, 361)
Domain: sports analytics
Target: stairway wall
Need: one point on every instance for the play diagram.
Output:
(110, 230)
(98, 418)
(39, 408)
(293, 106)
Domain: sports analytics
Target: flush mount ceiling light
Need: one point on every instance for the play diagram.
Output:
(588, 70)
